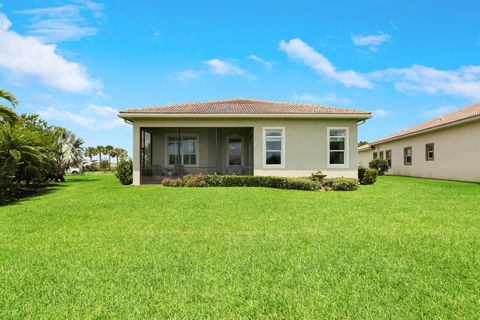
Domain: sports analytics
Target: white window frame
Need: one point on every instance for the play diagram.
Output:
(227, 153)
(197, 136)
(282, 153)
(346, 150)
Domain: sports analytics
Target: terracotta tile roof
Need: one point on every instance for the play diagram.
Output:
(243, 106)
(449, 118)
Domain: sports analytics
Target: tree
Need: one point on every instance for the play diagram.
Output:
(120, 153)
(100, 150)
(91, 152)
(108, 151)
(362, 143)
(67, 151)
(7, 114)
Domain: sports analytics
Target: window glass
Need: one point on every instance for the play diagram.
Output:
(388, 157)
(234, 152)
(407, 152)
(188, 150)
(429, 152)
(381, 154)
(273, 146)
(337, 142)
(145, 152)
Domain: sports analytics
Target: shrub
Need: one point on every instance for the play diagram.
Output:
(173, 182)
(104, 165)
(243, 181)
(194, 181)
(124, 171)
(367, 175)
(380, 164)
(32, 175)
(341, 184)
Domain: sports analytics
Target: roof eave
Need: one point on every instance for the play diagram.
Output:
(131, 115)
(451, 124)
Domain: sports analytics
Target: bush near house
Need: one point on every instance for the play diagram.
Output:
(341, 184)
(367, 175)
(380, 164)
(124, 171)
(243, 181)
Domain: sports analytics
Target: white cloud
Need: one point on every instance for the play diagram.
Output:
(462, 82)
(298, 50)
(266, 63)
(187, 75)
(329, 98)
(380, 113)
(92, 117)
(371, 41)
(63, 23)
(222, 67)
(26, 55)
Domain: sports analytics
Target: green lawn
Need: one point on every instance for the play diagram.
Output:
(404, 248)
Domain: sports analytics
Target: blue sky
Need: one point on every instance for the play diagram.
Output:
(77, 62)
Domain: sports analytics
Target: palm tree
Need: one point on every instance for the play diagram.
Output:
(108, 151)
(7, 114)
(100, 150)
(91, 152)
(120, 153)
(68, 151)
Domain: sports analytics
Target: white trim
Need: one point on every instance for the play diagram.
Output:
(227, 150)
(264, 149)
(128, 115)
(346, 150)
(196, 135)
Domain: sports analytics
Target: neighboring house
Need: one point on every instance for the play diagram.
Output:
(447, 147)
(243, 137)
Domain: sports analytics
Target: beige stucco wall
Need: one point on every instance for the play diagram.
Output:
(305, 143)
(364, 157)
(457, 154)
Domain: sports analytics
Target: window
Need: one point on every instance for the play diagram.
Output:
(337, 147)
(234, 151)
(407, 155)
(274, 147)
(146, 151)
(429, 151)
(188, 152)
(381, 154)
(375, 155)
(388, 157)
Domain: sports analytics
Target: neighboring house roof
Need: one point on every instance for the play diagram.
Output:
(469, 113)
(365, 147)
(242, 107)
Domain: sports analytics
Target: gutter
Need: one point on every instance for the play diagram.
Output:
(130, 115)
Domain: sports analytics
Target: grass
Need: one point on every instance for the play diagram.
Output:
(403, 248)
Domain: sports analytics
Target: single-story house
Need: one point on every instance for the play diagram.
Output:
(447, 147)
(243, 137)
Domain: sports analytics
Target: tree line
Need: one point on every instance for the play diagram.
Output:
(32, 152)
(107, 150)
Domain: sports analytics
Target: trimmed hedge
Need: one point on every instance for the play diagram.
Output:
(341, 184)
(243, 181)
(367, 175)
